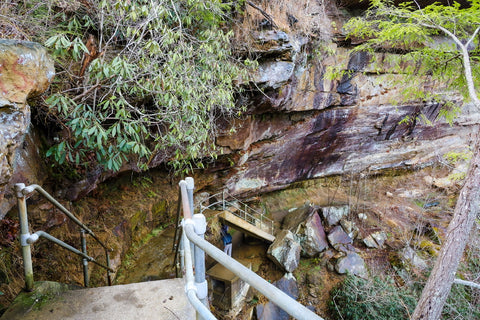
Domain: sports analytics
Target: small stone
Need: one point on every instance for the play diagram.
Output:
(362, 216)
(350, 228)
(370, 242)
(380, 237)
(409, 255)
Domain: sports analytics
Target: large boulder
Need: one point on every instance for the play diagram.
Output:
(25, 71)
(270, 310)
(285, 251)
(307, 226)
(313, 236)
(297, 216)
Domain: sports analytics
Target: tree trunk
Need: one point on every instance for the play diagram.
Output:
(440, 281)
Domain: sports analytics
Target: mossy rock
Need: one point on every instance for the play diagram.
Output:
(138, 227)
(429, 247)
(160, 208)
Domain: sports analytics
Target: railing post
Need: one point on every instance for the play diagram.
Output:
(223, 200)
(24, 235)
(107, 257)
(200, 225)
(84, 261)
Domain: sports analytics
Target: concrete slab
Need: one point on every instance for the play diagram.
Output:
(163, 299)
(244, 226)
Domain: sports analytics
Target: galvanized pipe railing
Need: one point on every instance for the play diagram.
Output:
(256, 217)
(26, 239)
(277, 296)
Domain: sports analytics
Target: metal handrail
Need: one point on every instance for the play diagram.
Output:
(26, 239)
(264, 222)
(191, 233)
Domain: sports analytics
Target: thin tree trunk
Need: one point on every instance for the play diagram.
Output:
(440, 281)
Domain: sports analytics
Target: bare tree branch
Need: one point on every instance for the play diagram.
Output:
(467, 283)
(266, 15)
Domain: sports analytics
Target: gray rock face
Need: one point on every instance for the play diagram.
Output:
(274, 74)
(285, 251)
(25, 71)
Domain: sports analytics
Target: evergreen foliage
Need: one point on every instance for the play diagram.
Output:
(141, 80)
(374, 299)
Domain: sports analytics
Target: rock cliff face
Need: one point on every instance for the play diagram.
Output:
(305, 125)
(300, 124)
(25, 71)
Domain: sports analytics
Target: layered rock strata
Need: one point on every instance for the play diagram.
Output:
(25, 71)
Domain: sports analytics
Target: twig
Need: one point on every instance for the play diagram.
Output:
(266, 15)
(467, 283)
(172, 312)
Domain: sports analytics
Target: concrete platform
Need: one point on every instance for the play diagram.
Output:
(245, 227)
(163, 299)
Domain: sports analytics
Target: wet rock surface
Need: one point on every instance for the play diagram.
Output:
(25, 71)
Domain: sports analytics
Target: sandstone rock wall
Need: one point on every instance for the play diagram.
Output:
(305, 125)
(300, 124)
(25, 71)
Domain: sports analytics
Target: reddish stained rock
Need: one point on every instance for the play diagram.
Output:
(338, 237)
(25, 71)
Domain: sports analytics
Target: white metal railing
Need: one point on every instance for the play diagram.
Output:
(196, 288)
(238, 208)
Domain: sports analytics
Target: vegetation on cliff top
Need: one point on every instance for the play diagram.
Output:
(441, 43)
(141, 81)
